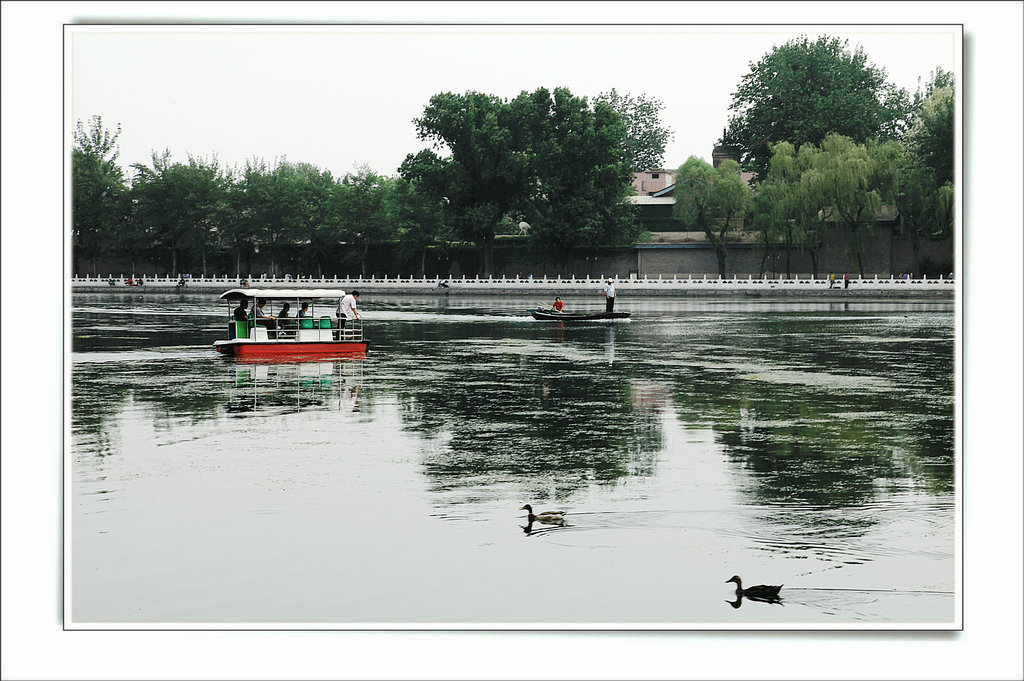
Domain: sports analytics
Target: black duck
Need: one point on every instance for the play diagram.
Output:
(760, 592)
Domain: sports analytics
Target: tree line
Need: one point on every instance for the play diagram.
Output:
(828, 139)
(830, 143)
(549, 160)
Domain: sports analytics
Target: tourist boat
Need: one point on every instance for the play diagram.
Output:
(552, 316)
(316, 335)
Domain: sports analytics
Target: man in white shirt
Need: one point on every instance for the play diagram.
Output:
(609, 296)
(348, 308)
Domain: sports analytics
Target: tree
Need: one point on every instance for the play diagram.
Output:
(792, 203)
(97, 191)
(711, 199)
(924, 182)
(362, 210)
(855, 180)
(646, 137)
(181, 205)
(931, 134)
(238, 226)
(317, 224)
(417, 218)
(485, 176)
(803, 90)
(581, 176)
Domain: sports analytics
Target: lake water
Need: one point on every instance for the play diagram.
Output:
(803, 444)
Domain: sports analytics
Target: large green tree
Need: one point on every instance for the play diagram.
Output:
(486, 172)
(581, 174)
(318, 226)
(361, 205)
(932, 133)
(712, 200)
(418, 219)
(97, 192)
(646, 136)
(181, 206)
(804, 90)
(923, 184)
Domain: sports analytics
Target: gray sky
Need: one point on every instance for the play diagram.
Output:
(338, 96)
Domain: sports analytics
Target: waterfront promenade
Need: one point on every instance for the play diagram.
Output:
(883, 287)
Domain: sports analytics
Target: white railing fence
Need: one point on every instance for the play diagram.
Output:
(661, 282)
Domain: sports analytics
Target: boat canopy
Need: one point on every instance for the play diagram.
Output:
(290, 293)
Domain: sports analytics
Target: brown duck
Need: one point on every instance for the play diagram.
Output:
(761, 592)
(547, 517)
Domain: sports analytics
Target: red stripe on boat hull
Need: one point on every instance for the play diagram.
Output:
(255, 350)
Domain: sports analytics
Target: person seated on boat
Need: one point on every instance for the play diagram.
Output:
(285, 320)
(304, 310)
(241, 314)
(262, 317)
(558, 304)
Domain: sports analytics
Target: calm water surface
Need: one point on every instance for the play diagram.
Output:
(804, 444)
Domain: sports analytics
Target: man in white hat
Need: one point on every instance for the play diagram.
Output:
(609, 296)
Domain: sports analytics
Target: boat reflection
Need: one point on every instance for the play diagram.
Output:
(290, 386)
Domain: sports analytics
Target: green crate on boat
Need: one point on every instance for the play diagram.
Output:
(241, 329)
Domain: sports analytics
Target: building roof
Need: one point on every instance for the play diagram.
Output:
(655, 200)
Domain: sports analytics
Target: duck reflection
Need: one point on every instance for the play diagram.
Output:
(535, 527)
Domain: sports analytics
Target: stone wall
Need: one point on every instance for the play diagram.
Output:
(885, 253)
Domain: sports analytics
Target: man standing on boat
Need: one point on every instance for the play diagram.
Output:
(609, 296)
(348, 308)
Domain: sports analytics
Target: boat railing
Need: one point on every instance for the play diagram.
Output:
(322, 327)
(351, 331)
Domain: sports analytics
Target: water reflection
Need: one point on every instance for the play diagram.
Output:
(739, 600)
(700, 434)
(816, 404)
(293, 386)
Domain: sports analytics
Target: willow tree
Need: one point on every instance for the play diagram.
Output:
(856, 179)
(712, 200)
(792, 203)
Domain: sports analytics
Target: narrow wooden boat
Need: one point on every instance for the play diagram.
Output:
(314, 335)
(551, 316)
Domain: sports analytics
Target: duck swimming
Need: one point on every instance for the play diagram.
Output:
(761, 592)
(547, 517)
